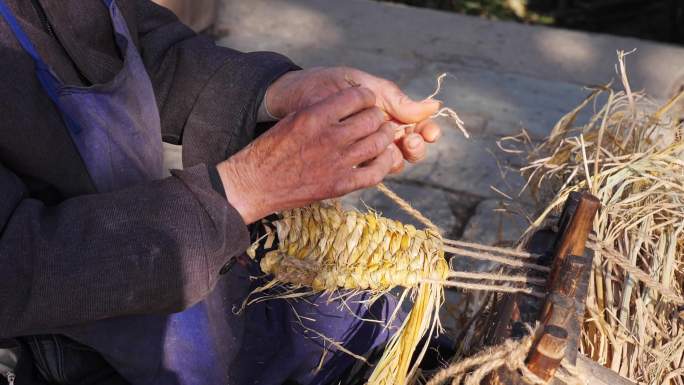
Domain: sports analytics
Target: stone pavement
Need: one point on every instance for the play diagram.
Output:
(506, 77)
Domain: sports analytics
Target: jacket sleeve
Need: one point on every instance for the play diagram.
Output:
(158, 247)
(208, 96)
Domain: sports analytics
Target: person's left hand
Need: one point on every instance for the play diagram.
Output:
(299, 89)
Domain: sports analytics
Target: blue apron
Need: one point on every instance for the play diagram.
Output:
(116, 128)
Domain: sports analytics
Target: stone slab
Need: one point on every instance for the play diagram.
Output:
(505, 77)
(324, 30)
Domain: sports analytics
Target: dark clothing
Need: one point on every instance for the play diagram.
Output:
(73, 261)
(90, 271)
(115, 127)
(70, 256)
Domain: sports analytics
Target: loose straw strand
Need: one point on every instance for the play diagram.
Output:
(444, 111)
(406, 207)
(613, 256)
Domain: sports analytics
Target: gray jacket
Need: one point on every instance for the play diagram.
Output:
(69, 256)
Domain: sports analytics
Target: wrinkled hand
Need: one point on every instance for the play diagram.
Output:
(339, 144)
(298, 89)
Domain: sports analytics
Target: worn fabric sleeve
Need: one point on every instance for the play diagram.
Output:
(153, 248)
(208, 96)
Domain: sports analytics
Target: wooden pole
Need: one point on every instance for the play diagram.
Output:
(573, 239)
(546, 355)
(560, 315)
(567, 289)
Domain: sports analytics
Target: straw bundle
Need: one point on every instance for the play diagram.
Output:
(322, 248)
(325, 248)
(629, 155)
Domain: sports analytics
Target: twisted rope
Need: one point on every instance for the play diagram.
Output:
(500, 250)
(495, 258)
(488, 253)
(481, 252)
(484, 287)
(406, 207)
(511, 354)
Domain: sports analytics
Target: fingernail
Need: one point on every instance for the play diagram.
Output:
(437, 136)
(413, 141)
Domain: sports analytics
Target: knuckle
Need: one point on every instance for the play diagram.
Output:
(377, 145)
(302, 119)
(377, 115)
(371, 119)
(362, 95)
(368, 149)
(356, 93)
(388, 131)
(413, 158)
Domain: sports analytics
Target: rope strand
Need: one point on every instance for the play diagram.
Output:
(495, 258)
(497, 277)
(483, 287)
(510, 355)
(501, 250)
(406, 207)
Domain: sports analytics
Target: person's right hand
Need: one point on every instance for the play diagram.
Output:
(340, 144)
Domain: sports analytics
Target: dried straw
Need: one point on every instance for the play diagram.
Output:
(629, 154)
(323, 248)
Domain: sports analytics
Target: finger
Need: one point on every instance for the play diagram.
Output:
(398, 165)
(413, 147)
(371, 146)
(404, 109)
(360, 125)
(345, 103)
(429, 130)
(372, 173)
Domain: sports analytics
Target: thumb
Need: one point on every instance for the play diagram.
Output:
(406, 110)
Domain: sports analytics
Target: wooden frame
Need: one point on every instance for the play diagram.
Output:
(561, 313)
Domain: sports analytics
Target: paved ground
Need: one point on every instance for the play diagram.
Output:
(506, 77)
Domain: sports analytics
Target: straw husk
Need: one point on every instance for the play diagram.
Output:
(629, 154)
(323, 249)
